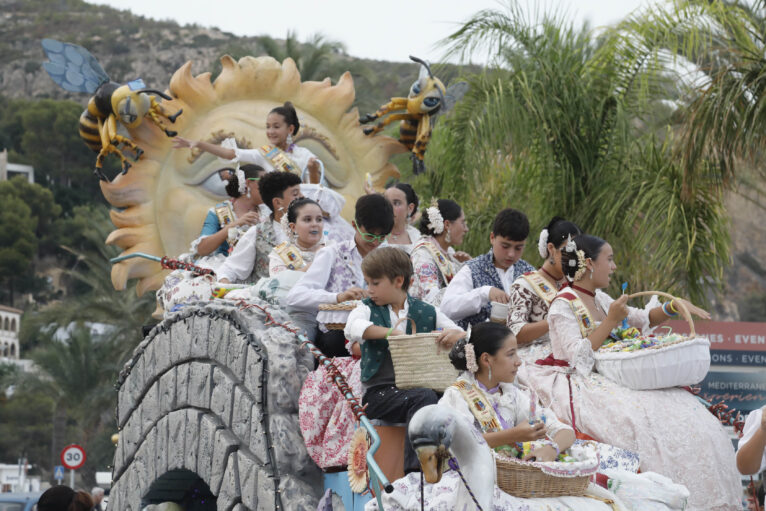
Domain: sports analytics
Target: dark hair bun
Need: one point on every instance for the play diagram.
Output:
(457, 355)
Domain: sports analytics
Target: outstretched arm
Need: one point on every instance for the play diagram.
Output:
(221, 152)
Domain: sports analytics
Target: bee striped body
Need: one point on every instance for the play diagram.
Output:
(89, 131)
(408, 130)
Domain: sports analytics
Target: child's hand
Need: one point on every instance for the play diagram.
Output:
(353, 293)
(448, 338)
(526, 432)
(462, 256)
(693, 309)
(498, 295)
(356, 350)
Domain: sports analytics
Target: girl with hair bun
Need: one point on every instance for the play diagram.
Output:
(281, 153)
(434, 258)
(532, 293)
(672, 433)
(509, 417)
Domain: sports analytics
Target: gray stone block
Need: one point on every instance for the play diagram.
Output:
(176, 439)
(200, 384)
(254, 373)
(146, 452)
(266, 493)
(225, 443)
(130, 435)
(167, 391)
(229, 493)
(221, 401)
(191, 438)
(200, 340)
(182, 385)
(161, 344)
(123, 406)
(218, 340)
(161, 447)
(240, 416)
(181, 340)
(248, 478)
(298, 495)
(289, 448)
(134, 383)
(236, 356)
(258, 440)
(150, 408)
(207, 429)
(119, 457)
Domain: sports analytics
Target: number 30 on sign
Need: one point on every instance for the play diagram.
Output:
(73, 457)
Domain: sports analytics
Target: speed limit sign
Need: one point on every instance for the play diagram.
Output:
(73, 457)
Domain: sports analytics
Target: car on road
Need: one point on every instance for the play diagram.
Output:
(19, 501)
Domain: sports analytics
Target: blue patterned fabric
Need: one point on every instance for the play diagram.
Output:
(483, 273)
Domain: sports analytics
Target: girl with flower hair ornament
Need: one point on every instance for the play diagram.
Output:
(672, 432)
(532, 293)
(434, 259)
(506, 415)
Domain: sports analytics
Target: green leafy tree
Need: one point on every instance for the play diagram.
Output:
(18, 244)
(561, 126)
(312, 57)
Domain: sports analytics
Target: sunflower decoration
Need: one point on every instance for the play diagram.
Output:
(161, 203)
(358, 475)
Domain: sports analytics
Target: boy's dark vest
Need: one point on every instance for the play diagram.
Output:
(483, 273)
(375, 351)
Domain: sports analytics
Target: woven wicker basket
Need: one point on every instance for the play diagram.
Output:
(524, 480)
(338, 307)
(419, 362)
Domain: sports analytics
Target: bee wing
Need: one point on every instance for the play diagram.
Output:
(72, 67)
(454, 92)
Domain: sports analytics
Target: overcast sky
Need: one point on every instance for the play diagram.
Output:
(385, 29)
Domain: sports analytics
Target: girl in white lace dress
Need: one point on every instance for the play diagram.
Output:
(532, 293)
(494, 351)
(672, 432)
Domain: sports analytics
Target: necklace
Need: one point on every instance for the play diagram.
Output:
(583, 290)
(553, 279)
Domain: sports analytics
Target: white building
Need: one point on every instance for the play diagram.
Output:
(10, 323)
(9, 170)
(13, 478)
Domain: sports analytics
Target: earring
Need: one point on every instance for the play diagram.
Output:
(448, 238)
(591, 274)
(552, 261)
(490, 374)
(289, 139)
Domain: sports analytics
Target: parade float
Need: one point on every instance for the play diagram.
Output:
(208, 404)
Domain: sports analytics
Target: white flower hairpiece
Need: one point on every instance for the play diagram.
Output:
(542, 244)
(470, 354)
(241, 180)
(581, 266)
(285, 224)
(435, 219)
(571, 246)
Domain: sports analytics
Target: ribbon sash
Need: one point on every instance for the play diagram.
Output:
(279, 159)
(224, 212)
(290, 255)
(442, 262)
(540, 286)
(480, 408)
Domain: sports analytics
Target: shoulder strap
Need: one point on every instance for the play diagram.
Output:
(540, 286)
(479, 406)
(443, 263)
(279, 159)
(584, 319)
(290, 255)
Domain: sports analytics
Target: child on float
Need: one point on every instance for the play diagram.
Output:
(532, 293)
(388, 273)
(672, 432)
(751, 450)
(487, 399)
(303, 226)
(405, 202)
(224, 225)
(250, 259)
(434, 259)
(488, 278)
(282, 154)
(335, 276)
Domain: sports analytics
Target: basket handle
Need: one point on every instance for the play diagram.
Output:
(684, 310)
(412, 323)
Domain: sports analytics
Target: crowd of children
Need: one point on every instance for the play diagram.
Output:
(386, 278)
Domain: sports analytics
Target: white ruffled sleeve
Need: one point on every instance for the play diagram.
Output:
(567, 342)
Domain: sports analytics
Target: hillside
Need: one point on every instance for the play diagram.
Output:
(130, 46)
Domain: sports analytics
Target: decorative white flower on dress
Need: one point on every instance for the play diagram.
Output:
(542, 244)
(435, 219)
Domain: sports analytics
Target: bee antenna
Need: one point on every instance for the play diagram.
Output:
(157, 92)
(422, 63)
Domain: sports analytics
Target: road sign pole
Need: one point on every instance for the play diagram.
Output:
(71, 479)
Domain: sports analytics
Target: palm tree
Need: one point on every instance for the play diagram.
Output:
(312, 57)
(562, 124)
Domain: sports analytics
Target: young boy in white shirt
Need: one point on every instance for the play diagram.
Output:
(388, 273)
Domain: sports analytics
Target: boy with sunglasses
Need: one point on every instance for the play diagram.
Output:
(336, 274)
